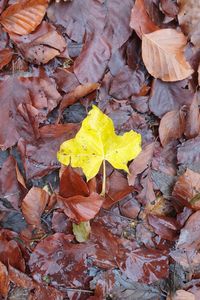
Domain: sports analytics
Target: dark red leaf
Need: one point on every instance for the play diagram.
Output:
(189, 238)
(41, 96)
(72, 184)
(192, 127)
(117, 189)
(165, 227)
(146, 265)
(10, 188)
(82, 208)
(140, 20)
(39, 157)
(187, 190)
(63, 262)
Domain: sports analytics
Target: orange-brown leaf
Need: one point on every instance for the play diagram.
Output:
(23, 17)
(163, 55)
(140, 20)
(5, 57)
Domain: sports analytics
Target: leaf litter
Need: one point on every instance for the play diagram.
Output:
(135, 64)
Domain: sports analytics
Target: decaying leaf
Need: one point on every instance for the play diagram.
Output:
(188, 17)
(82, 231)
(162, 53)
(23, 17)
(97, 142)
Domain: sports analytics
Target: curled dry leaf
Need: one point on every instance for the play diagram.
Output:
(4, 280)
(172, 126)
(188, 17)
(163, 55)
(23, 17)
(140, 20)
(33, 205)
(42, 45)
(5, 57)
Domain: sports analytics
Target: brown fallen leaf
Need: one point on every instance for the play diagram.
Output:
(117, 189)
(23, 17)
(5, 57)
(187, 190)
(140, 20)
(183, 295)
(169, 8)
(188, 17)
(42, 45)
(151, 265)
(192, 127)
(81, 208)
(79, 92)
(189, 238)
(163, 55)
(4, 281)
(140, 163)
(33, 205)
(172, 126)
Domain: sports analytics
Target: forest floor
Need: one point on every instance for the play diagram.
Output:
(138, 62)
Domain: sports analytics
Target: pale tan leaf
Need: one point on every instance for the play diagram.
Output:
(163, 55)
(189, 19)
(23, 17)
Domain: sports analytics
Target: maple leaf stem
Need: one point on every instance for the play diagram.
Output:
(103, 191)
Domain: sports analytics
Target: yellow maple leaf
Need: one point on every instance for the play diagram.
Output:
(96, 142)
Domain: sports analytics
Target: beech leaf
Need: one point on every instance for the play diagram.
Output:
(163, 55)
(96, 142)
(24, 16)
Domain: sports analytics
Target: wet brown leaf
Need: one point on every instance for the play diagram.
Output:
(23, 17)
(4, 281)
(55, 257)
(22, 112)
(172, 126)
(151, 265)
(33, 205)
(34, 154)
(168, 96)
(82, 208)
(187, 189)
(140, 20)
(42, 45)
(167, 45)
(79, 92)
(117, 189)
(5, 57)
(165, 227)
(140, 163)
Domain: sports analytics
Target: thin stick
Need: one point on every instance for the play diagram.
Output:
(103, 191)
